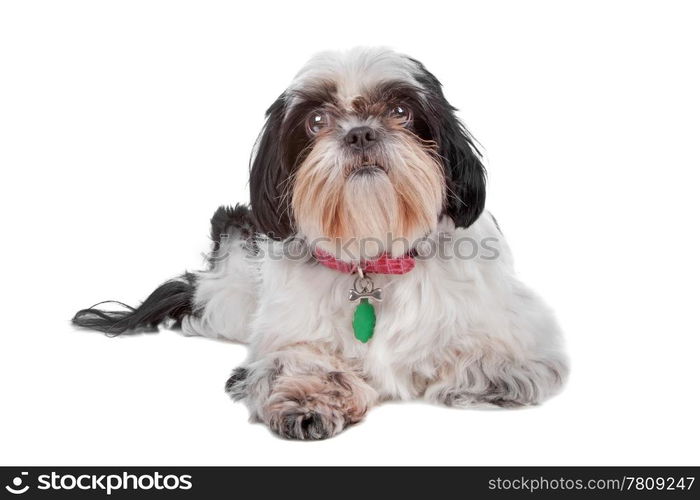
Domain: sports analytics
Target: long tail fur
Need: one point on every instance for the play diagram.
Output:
(171, 301)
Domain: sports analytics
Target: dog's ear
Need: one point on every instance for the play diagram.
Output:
(464, 172)
(269, 176)
(466, 176)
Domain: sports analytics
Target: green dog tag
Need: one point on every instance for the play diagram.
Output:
(364, 320)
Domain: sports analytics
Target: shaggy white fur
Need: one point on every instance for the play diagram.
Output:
(455, 330)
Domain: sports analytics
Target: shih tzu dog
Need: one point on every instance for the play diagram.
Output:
(365, 267)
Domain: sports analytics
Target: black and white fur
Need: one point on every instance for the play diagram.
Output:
(455, 331)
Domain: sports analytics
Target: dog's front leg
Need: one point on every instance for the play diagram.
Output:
(302, 393)
(498, 379)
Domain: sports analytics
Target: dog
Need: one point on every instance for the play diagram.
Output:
(348, 275)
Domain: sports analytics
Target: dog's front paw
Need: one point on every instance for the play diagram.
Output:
(462, 399)
(500, 383)
(313, 407)
(305, 422)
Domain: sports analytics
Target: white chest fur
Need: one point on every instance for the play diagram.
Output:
(454, 300)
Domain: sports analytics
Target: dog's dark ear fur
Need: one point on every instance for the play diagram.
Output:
(268, 176)
(466, 176)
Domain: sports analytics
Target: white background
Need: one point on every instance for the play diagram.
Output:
(123, 125)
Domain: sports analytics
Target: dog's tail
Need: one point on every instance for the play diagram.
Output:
(171, 302)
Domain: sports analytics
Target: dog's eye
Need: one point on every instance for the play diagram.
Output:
(317, 121)
(401, 113)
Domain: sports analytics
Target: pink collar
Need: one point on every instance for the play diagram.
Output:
(381, 265)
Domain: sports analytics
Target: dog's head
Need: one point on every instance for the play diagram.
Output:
(363, 145)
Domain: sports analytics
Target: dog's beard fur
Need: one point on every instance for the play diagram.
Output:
(355, 211)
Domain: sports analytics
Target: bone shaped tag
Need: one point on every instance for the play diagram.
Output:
(363, 288)
(375, 294)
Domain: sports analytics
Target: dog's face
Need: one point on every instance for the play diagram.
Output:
(364, 148)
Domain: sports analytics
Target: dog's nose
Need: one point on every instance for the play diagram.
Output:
(361, 138)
